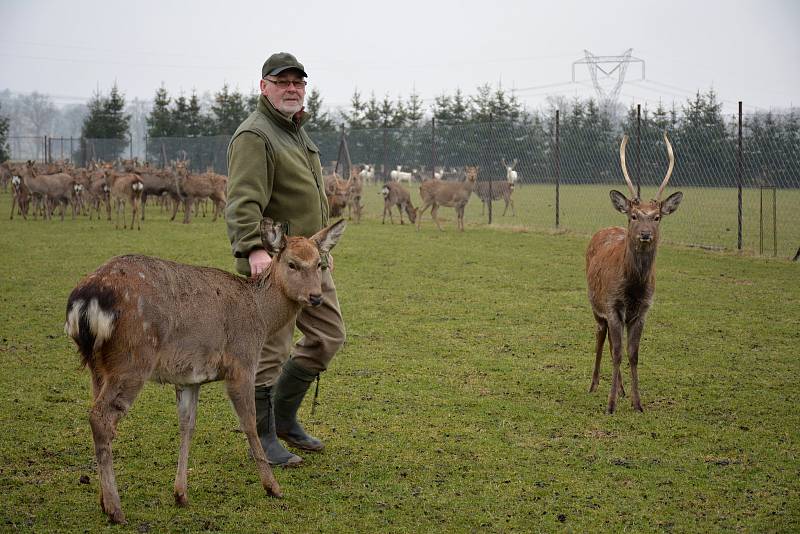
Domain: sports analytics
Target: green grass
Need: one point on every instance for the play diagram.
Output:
(459, 402)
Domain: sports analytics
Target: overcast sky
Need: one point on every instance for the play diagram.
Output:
(747, 50)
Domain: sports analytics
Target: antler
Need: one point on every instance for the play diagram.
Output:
(634, 196)
(671, 155)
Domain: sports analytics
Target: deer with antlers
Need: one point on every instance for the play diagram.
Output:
(621, 277)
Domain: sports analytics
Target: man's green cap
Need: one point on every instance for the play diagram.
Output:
(277, 63)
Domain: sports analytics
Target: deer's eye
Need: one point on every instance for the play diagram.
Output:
(657, 218)
(292, 266)
(633, 217)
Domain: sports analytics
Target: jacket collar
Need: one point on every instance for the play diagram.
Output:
(266, 107)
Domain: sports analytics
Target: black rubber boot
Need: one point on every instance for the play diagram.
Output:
(290, 389)
(265, 424)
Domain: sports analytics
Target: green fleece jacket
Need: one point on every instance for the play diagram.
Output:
(273, 171)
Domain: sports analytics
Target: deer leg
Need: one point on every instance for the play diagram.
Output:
(419, 215)
(634, 335)
(434, 211)
(600, 331)
(460, 215)
(115, 398)
(186, 397)
(133, 213)
(620, 388)
(615, 339)
(175, 203)
(240, 391)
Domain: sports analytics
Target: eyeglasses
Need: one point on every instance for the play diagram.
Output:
(284, 84)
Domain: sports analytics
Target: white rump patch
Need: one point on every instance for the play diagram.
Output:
(15, 180)
(101, 322)
(72, 325)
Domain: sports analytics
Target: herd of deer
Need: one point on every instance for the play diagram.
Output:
(453, 192)
(138, 318)
(38, 189)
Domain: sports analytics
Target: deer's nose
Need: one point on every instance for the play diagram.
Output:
(315, 300)
(646, 236)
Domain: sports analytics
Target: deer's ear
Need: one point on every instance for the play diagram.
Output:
(671, 203)
(272, 236)
(327, 238)
(620, 203)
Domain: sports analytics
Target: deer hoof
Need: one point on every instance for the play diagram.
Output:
(181, 500)
(275, 491)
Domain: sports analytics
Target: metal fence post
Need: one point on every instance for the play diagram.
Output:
(557, 169)
(384, 165)
(639, 150)
(739, 180)
(433, 147)
(491, 136)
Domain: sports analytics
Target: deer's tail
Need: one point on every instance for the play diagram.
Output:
(90, 319)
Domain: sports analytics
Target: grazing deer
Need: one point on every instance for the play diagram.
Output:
(437, 193)
(395, 195)
(157, 183)
(621, 277)
(49, 188)
(140, 318)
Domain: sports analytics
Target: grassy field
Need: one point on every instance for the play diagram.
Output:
(458, 404)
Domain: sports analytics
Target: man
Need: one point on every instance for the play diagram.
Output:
(274, 171)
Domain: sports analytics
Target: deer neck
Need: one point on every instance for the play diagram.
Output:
(639, 261)
(274, 308)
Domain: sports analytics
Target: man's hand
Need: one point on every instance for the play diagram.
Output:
(259, 261)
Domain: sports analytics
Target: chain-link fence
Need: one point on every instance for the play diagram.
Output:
(735, 198)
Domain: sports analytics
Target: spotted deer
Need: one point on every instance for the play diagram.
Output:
(621, 277)
(395, 195)
(140, 318)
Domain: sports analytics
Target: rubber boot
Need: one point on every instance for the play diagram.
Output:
(265, 425)
(291, 387)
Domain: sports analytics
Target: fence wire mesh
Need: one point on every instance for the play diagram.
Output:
(563, 177)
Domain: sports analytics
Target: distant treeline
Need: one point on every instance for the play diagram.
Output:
(482, 128)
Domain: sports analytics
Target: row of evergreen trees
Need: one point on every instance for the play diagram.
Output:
(4, 151)
(480, 128)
